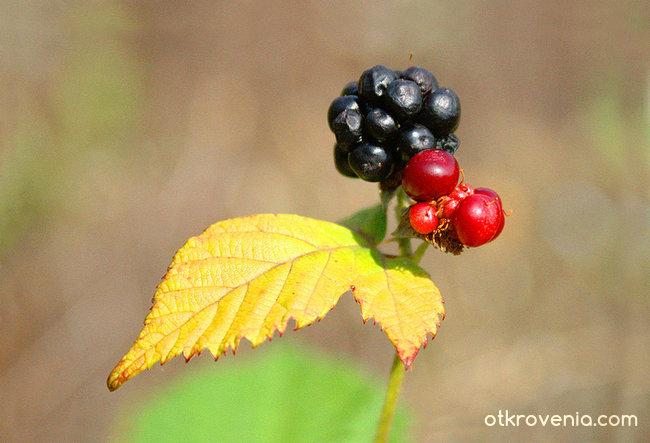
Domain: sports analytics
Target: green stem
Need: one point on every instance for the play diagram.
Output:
(403, 242)
(419, 252)
(405, 245)
(390, 402)
(397, 371)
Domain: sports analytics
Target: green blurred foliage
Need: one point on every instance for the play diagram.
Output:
(95, 102)
(24, 178)
(285, 395)
(620, 137)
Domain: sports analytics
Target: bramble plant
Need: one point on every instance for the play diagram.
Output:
(247, 277)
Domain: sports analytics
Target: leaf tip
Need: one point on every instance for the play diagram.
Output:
(114, 381)
(408, 361)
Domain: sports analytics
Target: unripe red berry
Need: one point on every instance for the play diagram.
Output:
(492, 194)
(430, 174)
(423, 218)
(461, 192)
(452, 201)
(449, 208)
(477, 220)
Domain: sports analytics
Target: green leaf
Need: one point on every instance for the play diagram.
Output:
(286, 395)
(247, 277)
(369, 223)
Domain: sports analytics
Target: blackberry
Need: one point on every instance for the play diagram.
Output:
(386, 118)
(397, 128)
(365, 107)
(449, 143)
(414, 138)
(373, 83)
(404, 98)
(351, 88)
(339, 105)
(347, 127)
(423, 77)
(441, 112)
(341, 162)
(380, 125)
(372, 163)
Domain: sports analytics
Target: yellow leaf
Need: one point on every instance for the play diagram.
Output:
(247, 277)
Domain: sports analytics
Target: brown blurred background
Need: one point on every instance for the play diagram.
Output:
(127, 127)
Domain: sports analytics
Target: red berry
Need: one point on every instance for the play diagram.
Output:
(461, 192)
(430, 174)
(451, 203)
(423, 218)
(449, 208)
(492, 194)
(477, 220)
(467, 188)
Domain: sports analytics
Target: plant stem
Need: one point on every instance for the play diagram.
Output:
(403, 242)
(390, 402)
(397, 371)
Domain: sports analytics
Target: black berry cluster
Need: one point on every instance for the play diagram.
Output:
(387, 117)
(397, 128)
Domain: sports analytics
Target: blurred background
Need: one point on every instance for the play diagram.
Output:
(127, 127)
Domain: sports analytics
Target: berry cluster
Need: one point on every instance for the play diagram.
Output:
(384, 119)
(449, 214)
(397, 128)
(446, 213)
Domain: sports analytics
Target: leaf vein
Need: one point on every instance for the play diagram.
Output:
(320, 275)
(247, 283)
